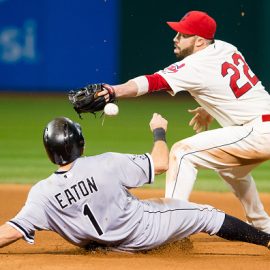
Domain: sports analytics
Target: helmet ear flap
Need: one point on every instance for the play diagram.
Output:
(78, 126)
(63, 140)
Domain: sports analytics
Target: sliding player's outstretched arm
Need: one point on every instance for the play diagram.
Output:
(8, 235)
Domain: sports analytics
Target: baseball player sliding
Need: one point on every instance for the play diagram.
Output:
(87, 200)
(216, 74)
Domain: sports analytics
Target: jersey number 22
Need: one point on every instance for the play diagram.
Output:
(250, 80)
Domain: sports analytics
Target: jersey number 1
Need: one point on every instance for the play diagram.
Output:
(88, 212)
(251, 80)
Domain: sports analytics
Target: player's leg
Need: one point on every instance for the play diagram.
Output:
(186, 218)
(243, 186)
(237, 230)
(182, 172)
(214, 149)
(220, 149)
(169, 220)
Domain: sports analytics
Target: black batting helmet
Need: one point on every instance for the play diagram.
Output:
(63, 140)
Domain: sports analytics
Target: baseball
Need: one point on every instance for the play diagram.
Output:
(111, 109)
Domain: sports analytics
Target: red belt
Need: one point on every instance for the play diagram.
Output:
(266, 117)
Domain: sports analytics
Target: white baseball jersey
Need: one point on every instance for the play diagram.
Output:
(91, 203)
(220, 80)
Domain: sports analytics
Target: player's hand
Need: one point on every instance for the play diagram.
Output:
(201, 119)
(107, 92)
(158, 121)
(91, 98)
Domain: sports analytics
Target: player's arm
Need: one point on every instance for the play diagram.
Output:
(138, 86)
(8, 235)
(137, 170)
(160, 151)
(128, 89)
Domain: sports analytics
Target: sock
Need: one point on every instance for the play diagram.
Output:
(237, 230)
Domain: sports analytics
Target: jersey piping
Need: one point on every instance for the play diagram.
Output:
(183, 209)
(60, 172)
(150, 169)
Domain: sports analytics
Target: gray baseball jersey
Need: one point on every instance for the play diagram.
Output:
(91, 203)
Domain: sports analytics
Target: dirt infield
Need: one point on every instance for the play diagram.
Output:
(200, 252)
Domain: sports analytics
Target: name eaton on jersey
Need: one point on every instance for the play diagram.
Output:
(76, 192)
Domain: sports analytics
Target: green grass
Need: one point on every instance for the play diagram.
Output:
(23, 117)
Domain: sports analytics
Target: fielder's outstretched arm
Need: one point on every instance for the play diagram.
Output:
(128, 89)
(8, 235)
(141, 85)
(137, 86)
(125, 90)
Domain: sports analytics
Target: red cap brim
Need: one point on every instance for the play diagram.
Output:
(178, 27)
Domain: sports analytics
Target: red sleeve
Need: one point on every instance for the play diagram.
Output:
(157, 83)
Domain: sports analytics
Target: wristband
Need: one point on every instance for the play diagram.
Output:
(159, 134)
(142, 84)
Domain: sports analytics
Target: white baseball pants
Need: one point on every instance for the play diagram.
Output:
(232, 152)
(168, 220)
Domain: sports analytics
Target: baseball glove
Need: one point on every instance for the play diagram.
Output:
(86, 99)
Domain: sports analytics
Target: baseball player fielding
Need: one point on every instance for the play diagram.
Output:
(217, 76)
